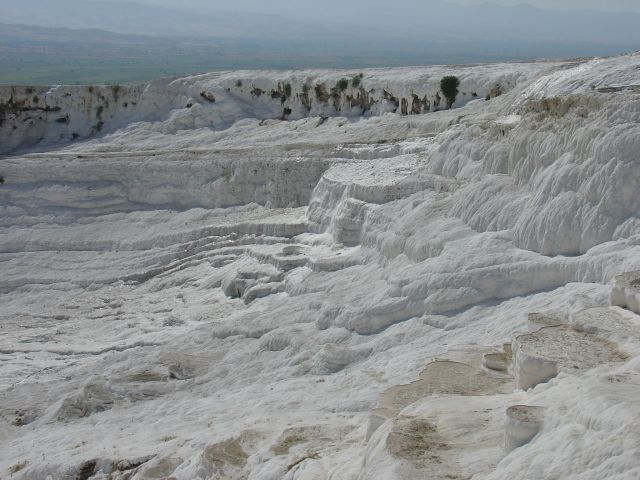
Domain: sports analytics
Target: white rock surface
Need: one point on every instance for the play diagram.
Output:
(626, 291)
(225, 290)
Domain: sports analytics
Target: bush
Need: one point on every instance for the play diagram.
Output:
(552, 106)
(1, 180)
(355, 81)
(239, 83)
(449, 86)
(342, 84)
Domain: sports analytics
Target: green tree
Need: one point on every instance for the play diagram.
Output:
(449, 86)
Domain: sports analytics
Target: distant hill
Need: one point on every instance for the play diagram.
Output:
(132, 18)
(102, 41)
(285, 19)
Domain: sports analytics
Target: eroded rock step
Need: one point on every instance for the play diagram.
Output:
(175, 180)
(541, 355)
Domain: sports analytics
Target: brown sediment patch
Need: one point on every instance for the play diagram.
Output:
(229, 452)
(288, 441)
(443, 377)
(415, 438)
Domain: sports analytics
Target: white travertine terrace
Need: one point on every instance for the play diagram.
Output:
(255, 275)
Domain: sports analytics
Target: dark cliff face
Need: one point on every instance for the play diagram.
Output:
(35, 117)
(30, 116)
(59, 115)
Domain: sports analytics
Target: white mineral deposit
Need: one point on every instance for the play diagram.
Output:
(271, 275)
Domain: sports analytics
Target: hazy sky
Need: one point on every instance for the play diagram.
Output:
(609, 5)
(360, 20)
(274, 5)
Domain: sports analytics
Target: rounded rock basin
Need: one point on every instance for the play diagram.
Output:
(496, 361)
(522, 424)
(292, 250)
(536, 321)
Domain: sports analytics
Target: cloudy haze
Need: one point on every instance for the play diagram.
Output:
(416, 19)
(609, 5)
